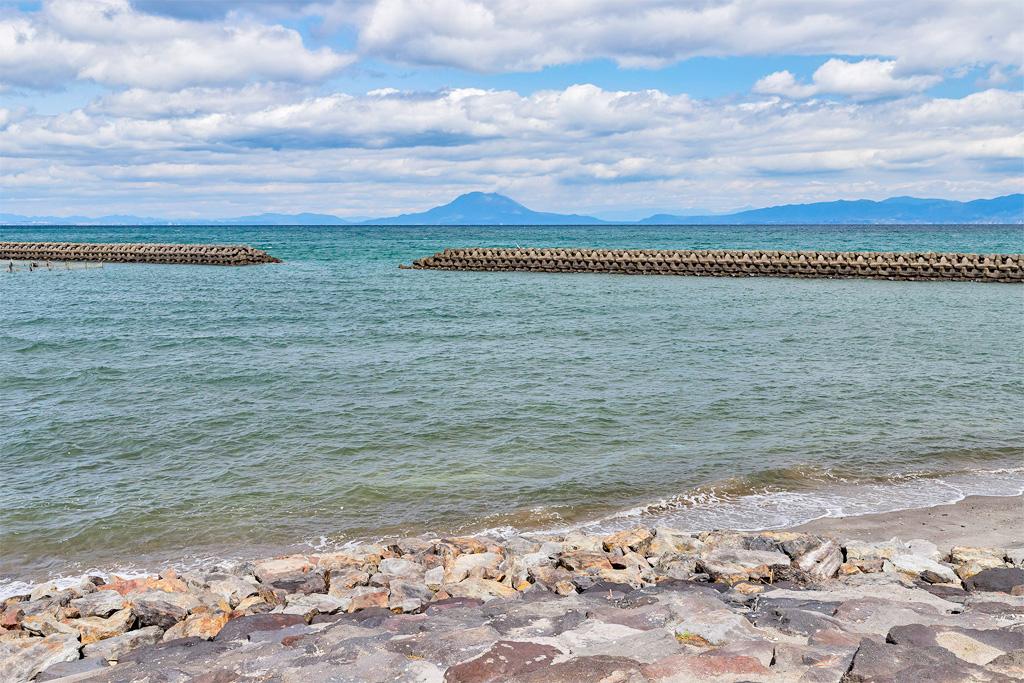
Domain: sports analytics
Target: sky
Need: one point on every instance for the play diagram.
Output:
(209, 108)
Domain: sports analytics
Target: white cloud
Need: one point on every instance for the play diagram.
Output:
(866, 79)
(558, 149)
(503, 35)
(108, 42)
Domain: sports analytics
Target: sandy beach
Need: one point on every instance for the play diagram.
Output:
(975, 520)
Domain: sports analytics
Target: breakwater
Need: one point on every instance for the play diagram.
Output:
(190, 254)
(736, 263)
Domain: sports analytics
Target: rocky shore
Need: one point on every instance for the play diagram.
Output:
(638, 605)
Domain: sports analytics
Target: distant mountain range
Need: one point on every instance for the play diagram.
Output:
(482, 208)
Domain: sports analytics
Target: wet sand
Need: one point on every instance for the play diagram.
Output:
(991, 521)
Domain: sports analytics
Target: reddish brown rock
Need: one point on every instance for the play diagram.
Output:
(504, 661)
(638, 540)
(582, 560)
(705, 666)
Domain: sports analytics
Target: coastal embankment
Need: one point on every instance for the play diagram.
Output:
(736, 263)
(643, 604)
(185, 254)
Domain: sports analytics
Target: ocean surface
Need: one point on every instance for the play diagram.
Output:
(155, 413)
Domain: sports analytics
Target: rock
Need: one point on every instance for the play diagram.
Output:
(101, 603)
(74, 668)
(914, 565)
(336, 562)
(675, 541)
(504, 661)
(242, 627)
(970, 560)
(705, 667)
(364, 597)
(112, 649)
(402, 569)
(577, 540)
(1015, 556)
(345, 579)
(876, 661)
(1011, 664)
(47, 625)
(21, 660)
(928, 576)
(313, 582)
(167, 582)
(675, 566)
(309, 605)
(859, 551)
(93, 629)
(434, 578)
(555, 579)
(729, 565)
(205, 625)
(282, 568)
(821, 561)
(999, 580)
(637, 540)
(254, 604)
(704, 621)
(232, 589)
(159, 608)
(409, 597)
(923, 548)
(971, 645)
(484, 589)
(11, 617)
(582, 560)
(482, 565)
(466, 544)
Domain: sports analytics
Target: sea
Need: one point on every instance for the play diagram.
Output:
(181, 414)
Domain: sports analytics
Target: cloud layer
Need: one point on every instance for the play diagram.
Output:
(235, 107)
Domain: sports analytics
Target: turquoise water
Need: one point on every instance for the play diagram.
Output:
(155, 412)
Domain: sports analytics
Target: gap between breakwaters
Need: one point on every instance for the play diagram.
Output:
(735, 263)
(185, 254)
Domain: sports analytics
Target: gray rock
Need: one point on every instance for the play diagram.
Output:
(409, 596)
(1015, 556)
(99, 603)
(971, 645)
(877, 662)
(80, 666)
(400, 568)
(21, 660)
(112, 649)
(316, 603)
(917, 564)
(242, 627)
(732, 565)
(232, 589)
(157, 608)
(999, 580)
(821, 561)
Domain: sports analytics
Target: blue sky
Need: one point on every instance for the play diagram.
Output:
(205, 109)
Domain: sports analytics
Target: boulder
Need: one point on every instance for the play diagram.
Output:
(22, 659)
(409, 596)
(504, 661)
(47, 625)
(820, 559)
(483, 565)
(999, 580)
(582, 560)
(555, 579)
(876, 661)
(977, 646)
(728, 565)
(93, 629)
(271, 571)
(112, 649)
(242, 627)
(232, 589)
(399, 568)
(309, 605)
(483, 589)
(75, 667)
(914, 565)
(860, 551)
(1015, 556)
(205, 625)
(167, 582)
(363, 597)
(637, 540)
(971, 560)
(434, 578)
(159, 608)
(345, 579)
(101, 603)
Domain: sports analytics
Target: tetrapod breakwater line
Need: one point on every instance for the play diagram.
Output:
(735, 263)
(189, 254)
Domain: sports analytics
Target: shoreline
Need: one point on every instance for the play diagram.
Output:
(943, 524)
(831, 600)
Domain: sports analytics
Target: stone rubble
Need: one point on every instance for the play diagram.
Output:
(638, 605)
